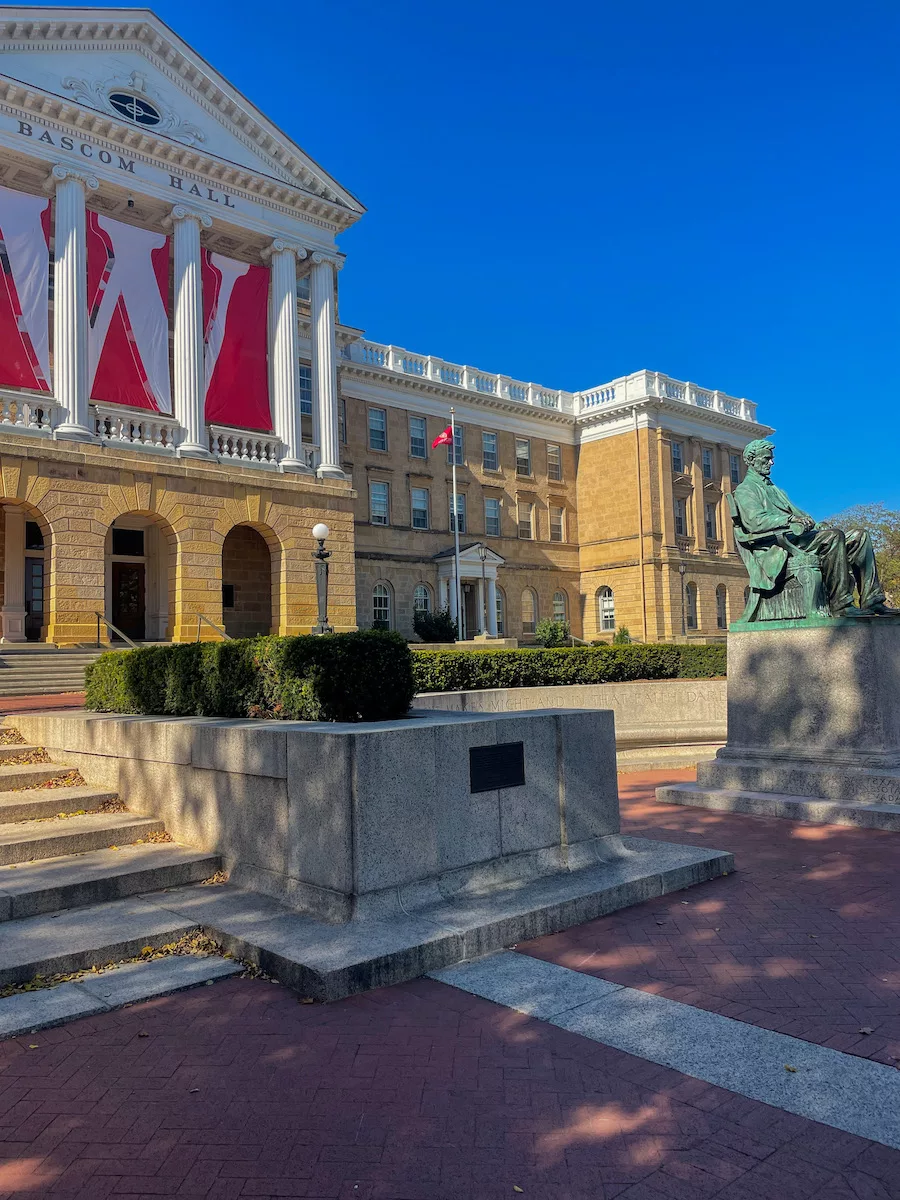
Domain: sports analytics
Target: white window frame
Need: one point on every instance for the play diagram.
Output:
(388, 603)
(530, 626)
(488, 436)
(424, 438)
(523, 457)
(681, 512)
(378, 483)
(560, 595)
(412, 508)
(490, 532)
(382, 431)
(458, 448)
(606, 610)
(426, 592)
(561, 524)
(461, 511)
(678, 454)
(711, 522)
(529, 524)
(554, 463)
(706, 459)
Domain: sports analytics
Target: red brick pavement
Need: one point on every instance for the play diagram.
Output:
(418, 1092)
(18, 704)
(803, 938)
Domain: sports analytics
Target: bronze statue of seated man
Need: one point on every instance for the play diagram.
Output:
(771, 533)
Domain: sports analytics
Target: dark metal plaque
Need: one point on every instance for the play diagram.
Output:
(493, 767)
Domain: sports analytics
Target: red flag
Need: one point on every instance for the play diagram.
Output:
(443, 439)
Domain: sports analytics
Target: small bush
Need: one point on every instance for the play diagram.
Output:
(552, 633)
(622, 636)
(338, 677)
(435, 627)
(466, 670)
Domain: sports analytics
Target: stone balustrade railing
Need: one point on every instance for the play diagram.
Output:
(21, 414)
(136, 427)
(649, 384)
(254, 449)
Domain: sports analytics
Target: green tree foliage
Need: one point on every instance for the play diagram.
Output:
(552, 633)
(435, 627)
(883, 525)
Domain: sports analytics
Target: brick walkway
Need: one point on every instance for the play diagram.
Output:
(423, 1092)
(804, 938)
(17, 704)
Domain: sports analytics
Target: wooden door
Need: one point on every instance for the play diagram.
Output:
(34, 598)
(129, 599)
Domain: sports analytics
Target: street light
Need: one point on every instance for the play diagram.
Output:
(683, 626)
(482, 554)
(320, 533)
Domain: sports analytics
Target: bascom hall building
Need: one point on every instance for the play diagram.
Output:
(180, 401)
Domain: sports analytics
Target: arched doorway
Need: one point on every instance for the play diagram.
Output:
(140, 576)
(246, 582)
(25, 555)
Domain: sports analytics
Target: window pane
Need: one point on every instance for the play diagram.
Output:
(492, 517)
(523, 456)
(461, 513)
(692, 606)
(342, 422)
(306, 390)
(378, 503)
(128, 542)
(420, 508)
(711, 522)
(681, 518)
(303, 287)
(418, 447)
(529, 611)
(381, 607)
(606, 610)
(554, 463)
(707, 463)
(735, 463)
(377, 429)
(501, 614)
(557, 525)
(526, 521)
(677, 458)
(455, 452)
(721, 608)
(559, 606)
(489, 462)
(422, 599)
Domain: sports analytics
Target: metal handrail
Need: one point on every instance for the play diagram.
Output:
(118, 632)
(212, 625)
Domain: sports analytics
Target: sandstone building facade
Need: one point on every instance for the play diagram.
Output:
(180, 402)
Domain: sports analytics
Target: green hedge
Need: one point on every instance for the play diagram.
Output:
(466, 670)
(341, 677)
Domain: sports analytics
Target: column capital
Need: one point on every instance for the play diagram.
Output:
(60, 172)
(279, 245)
(336, 260)
(183, 212)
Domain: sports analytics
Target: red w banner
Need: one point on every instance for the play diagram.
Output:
(24, 279)
(128, 314)
(443, 439)
(235, 322)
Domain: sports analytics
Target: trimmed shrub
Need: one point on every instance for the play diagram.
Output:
(468, 670)
(622, 636)
(552, 633)
(338, 677)
(435, 627)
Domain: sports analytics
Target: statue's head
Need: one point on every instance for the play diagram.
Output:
(758, 456)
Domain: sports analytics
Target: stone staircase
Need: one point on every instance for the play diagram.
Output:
(42, 670)
(69, 853)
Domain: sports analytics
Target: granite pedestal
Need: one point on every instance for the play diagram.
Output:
(372, 853)
(813, 725)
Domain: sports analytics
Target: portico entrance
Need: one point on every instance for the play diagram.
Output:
(478, 584)
(140, 574)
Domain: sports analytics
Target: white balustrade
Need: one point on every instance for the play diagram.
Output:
(136, 427)
(244, 445)
(21, 414)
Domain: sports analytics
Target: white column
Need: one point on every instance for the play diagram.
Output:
(70, 316)
(492, 606)
(482, 627)
(284, 353)
(443, 594)
(190, 370)
(13, 613)
(324, 365)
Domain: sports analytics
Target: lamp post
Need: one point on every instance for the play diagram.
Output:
(321, 556)
(683, 626)
(482, 554)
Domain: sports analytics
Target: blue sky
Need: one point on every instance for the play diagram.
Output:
(567, 193)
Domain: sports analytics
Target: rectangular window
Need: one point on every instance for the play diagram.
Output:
(707, 463)
(418, 440)
(735, 464)
(711, 522)
(526, 520)
(678, 458)
(489, 458)
(303, 288)
(377, 429)
(129, 543)
(554, 463)
(342, 421)
(420, 508)
(523, 456)
(306, 390)
(492, 516)
(460, 513)
(557, 525)
(455, 452)
(681, 525)
(378, 503)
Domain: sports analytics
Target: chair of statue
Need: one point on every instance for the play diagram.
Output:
(798, 591)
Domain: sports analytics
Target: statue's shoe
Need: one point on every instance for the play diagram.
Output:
(850, 611)
(881, 610)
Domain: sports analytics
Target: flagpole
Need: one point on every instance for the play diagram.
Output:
(459, 614)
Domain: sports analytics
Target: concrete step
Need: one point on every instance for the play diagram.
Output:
(36, 803)
(86, 937)
(99, 876)
(27, 841)
(31, 688)
(29, 775)
(11, 751)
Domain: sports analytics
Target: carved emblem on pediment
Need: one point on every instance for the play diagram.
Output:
(132, 97)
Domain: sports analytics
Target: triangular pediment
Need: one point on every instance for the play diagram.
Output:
(130, 69)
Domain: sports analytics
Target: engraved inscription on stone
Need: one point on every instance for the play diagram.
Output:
(494, 767)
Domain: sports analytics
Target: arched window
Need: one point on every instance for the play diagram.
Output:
(691, 593)
(721, 607)
(381, 606)
(529, 610)
(422, 598)
(560, 607)
(606, 610)
(501, 613)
